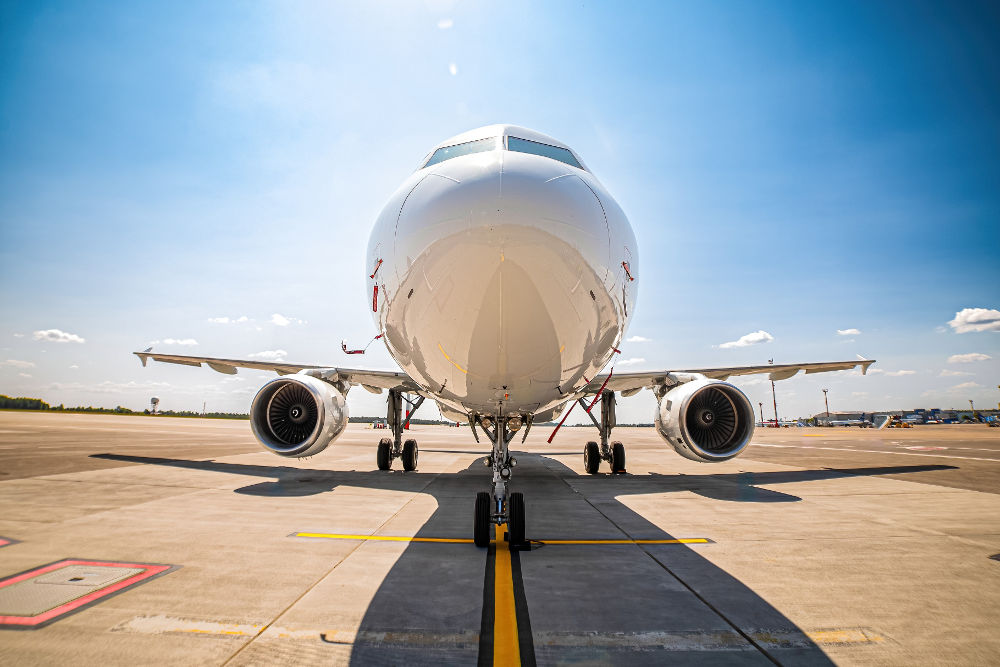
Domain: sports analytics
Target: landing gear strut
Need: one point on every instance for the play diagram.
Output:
(395, 448)
(613, 453)
(499, 506)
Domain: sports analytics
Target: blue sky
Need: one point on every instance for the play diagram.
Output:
(792, 168)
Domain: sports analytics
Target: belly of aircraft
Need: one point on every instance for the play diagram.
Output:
(505, 315)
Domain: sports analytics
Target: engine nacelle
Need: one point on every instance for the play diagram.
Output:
(706, 420)
(298, 415)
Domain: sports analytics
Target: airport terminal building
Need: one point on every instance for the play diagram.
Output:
(914, 416)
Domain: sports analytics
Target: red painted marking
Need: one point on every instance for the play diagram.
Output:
(375, 300)
(372, 276)
(627, 272)
(4, 542)
(148, 571)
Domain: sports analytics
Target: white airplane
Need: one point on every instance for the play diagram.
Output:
(502, 277)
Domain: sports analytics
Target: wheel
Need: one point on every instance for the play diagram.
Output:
(481, 531)
(384, 456)
(515, 519)
(410, 455)
(591, 458)
(617, 457)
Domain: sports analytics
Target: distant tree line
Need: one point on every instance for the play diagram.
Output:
(23, 403)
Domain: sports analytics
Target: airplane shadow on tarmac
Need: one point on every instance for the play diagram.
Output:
(595, 603)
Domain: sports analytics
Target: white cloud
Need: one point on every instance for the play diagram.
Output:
(638, 339)
(24, 375)
(976, 319)
(174, 341)
(227, 320)
(453, 68)
(18, 335)
(750, 339)
(630, 362)
(280, 320)
(269, 355)
(949, 373)
(74, 367)
(848, 332)
(900, 373)
(57, 336)
(965, 385)
(218, 320)
(109, 387)
(17, 363)
(968, 358)
(444, 24)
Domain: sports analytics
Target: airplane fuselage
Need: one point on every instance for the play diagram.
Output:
(502, 279)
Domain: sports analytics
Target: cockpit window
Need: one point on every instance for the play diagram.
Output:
(469, 147)
(535, 148)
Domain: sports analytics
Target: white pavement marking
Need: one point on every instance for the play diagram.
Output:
(878, 451)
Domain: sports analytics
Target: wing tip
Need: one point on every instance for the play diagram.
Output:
(144, 355)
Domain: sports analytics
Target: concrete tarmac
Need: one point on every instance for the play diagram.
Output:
(817, 546)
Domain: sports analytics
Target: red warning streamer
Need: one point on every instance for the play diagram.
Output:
(375, 299)
(559, 426)
(343, 344)
(627, 271)
(601, 390)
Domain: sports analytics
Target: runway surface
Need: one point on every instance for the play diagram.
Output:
(818, 546)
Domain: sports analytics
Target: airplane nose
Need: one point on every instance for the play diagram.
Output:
(550, 200)
(502, 260)
(504, 199)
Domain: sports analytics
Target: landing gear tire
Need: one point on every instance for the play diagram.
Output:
(617, 457)
(515, 521)
(481, 531)
(591, 458)
(410, 455)
(384, 456)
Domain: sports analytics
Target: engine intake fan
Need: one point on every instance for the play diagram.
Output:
(706, 420)
(298, 416)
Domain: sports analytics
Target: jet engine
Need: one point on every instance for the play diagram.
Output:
(298, 415)
(705, 420)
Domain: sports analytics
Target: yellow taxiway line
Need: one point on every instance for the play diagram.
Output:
(383, 538)
(506, 649)
(456, 540)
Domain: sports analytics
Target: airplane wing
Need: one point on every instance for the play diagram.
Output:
(633, 382)
(374, 380)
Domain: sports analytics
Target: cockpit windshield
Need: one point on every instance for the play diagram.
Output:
(545, 150)
(469, 147)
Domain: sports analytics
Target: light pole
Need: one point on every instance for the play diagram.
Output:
(827, 403)
(973, 408)
(775, 399)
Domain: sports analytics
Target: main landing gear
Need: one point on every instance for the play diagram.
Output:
(395, 447)
(614, 453)
(499, 506)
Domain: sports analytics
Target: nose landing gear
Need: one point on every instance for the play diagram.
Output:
(499, 507)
